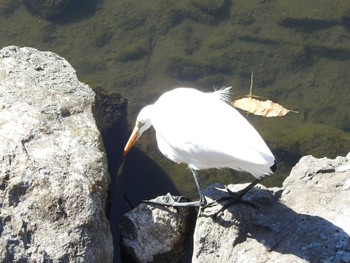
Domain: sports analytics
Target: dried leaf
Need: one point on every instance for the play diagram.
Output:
(265, 108)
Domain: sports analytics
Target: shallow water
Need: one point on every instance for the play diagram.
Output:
(299, 52)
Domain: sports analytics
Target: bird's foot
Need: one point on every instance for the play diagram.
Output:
(170, 200)
(232, 199)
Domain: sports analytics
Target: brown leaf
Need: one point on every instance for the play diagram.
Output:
(265, 108)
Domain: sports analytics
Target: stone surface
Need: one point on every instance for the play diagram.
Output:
(154, 233)
(305, 221)
(53, 170)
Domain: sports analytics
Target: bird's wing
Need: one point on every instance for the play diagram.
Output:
(201, 130)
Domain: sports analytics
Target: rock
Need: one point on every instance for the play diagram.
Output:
(53, 173)
(154, 233)
(305, 221)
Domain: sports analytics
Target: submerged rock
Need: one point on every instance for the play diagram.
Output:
(47, 8)
(53, 170)
(61, 10)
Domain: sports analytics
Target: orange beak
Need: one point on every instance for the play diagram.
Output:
(133, 138)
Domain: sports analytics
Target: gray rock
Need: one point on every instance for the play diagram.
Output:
(307, 222)
(53, 170)
(155, 233)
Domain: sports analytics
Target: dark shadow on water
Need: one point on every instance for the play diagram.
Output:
(78, 10)
(138, 178)
(64, 12)
(307, 24)
(285, 231)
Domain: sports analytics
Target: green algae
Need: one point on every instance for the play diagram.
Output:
(135, 51)
(8, 7)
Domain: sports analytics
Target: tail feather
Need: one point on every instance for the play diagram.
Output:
(274, 167)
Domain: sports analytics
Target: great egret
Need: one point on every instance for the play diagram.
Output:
(203, 131)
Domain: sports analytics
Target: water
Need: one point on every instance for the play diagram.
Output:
(299, 52)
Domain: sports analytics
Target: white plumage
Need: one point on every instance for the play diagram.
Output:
(204, 131)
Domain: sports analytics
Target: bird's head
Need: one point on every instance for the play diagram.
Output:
(143, 123)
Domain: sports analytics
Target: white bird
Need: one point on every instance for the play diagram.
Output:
(203, 131)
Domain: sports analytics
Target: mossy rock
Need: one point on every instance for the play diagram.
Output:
(135, 17)
(307, 24)
(61, 9)
(207, 12)
(305, 10)
(130, 76)
(46, 32)
(187, 69)
(47, 8)
(301, 138)
(212, 7)
(187, 39)
(135, 51)
(212, 81)
(8, 7)
(103, 38)
(345, 19)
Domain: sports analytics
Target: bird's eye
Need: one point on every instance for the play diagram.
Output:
(139, 124)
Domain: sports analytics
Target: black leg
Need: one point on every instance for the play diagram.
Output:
(234, 197)
(238, 195)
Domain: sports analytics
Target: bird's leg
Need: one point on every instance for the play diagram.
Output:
(202, 199)
(172, 202)
(234, 198)
(238, 195)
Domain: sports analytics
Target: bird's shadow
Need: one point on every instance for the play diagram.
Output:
(281, 229)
